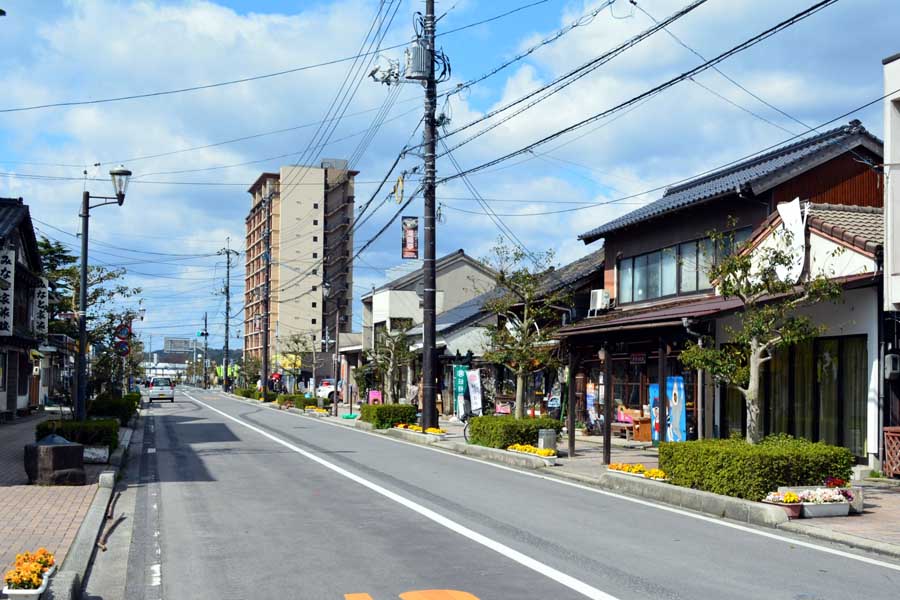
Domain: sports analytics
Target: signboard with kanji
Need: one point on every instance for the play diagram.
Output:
(7, 290)
(41, 309)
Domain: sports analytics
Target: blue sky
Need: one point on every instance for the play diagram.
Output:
(61, 51)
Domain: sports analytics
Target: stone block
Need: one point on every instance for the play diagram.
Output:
(55, 464)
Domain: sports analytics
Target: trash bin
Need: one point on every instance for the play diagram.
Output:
(547, 438)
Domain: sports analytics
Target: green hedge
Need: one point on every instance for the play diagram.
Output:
(502, 432)
(299, 400)
(108, 405)
(735, 468)
(385, 416)
(247, 393)
(100, 432)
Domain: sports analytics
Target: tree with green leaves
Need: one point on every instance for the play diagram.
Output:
(300, 351)
(528, 311)
(390, 354)
(767, 319)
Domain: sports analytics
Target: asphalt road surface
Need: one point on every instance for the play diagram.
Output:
(240, 501)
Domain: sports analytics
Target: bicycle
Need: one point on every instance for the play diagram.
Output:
(465, 419)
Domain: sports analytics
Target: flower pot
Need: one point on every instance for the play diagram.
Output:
(827, 509)
(27, 594)
(49, 572)
(793, 510)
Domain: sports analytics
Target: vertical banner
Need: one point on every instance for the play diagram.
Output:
(653, 392)
(473, 378)
(41, 309)
(459, 389)
(677, 414)
(410, 245)
(7, 290)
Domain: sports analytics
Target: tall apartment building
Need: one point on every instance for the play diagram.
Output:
(310, 213)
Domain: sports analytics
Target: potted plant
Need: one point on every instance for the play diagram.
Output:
(824, 502)
(789, 501)
(25, 581)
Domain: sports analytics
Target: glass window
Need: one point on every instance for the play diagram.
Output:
(640, 278)
(669, 270)
(741, 236)
(804, 378)
(688, 267)
(829, 400)
(705, 261)
(625, 279)
(653, 279)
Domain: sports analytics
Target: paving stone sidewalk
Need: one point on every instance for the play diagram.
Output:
(32, 516)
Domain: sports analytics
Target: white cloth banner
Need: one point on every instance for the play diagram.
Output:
(474, 379)
(7, 290)
(41, 309)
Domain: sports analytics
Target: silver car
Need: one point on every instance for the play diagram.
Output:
(161, 388)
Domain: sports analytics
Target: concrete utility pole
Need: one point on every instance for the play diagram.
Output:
(429, 354)
(264, 375)
(337, 354)
(228, 252)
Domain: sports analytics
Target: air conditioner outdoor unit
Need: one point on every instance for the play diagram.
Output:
(599, 302)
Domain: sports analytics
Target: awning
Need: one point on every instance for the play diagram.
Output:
(668, 315)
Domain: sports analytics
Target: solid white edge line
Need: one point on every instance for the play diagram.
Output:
(546, 570)
(671, 509)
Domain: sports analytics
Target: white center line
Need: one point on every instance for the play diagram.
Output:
(151, 450)
(562, 578)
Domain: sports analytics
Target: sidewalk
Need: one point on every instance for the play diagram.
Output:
(32, 516)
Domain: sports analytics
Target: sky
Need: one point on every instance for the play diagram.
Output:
(189, 191)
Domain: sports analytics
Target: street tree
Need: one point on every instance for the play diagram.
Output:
(528, 311)
(767, 320)
(300, 350)
(389, 356)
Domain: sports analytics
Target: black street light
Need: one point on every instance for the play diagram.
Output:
(328, 292)
(119, 176)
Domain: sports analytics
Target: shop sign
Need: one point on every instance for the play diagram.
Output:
(459, 388)
(7, 290)
(410, 246)
(41, 308)
(473, 378)
(638, 358)
(676, 414)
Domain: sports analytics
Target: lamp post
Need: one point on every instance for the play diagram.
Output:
(336, 359)
(120, 177)
(603, 355)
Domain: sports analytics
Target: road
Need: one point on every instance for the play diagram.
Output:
(239, 501)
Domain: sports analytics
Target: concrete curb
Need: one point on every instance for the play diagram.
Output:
(514, 459)
(853, 541)
(66, 584)
(736, 509)
(412, 436)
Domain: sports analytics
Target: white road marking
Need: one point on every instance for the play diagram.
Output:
(155, 574)
(546, 570)
(151, 450)
(671, 509)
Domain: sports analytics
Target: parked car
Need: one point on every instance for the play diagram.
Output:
(161, 388)
(326, 389)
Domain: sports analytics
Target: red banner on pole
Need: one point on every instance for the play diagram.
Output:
(410, 243)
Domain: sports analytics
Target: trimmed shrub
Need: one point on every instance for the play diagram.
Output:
(108, 405)
(299, 400)
(735, 468)
(100, 432)
(385, 416)
(503, 432)
(247, 393)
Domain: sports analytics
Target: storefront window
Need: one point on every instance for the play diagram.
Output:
(804, 386)
(829, 399)
(854, 385)
(669, 271)
(653, 275)
(640, 278)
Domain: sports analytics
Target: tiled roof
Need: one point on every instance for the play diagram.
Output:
(755, 175)
(440, 263)
(574, 271)
(460, 314)
(860, 226)
(13, 213)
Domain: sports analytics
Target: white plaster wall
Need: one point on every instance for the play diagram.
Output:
(856, 313)
(467, 338)
(400, 304)
(833, 260)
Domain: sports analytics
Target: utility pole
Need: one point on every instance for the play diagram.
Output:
(429, 372)
(205, 348)
(337, 354)
(264, 375)
(228, 252)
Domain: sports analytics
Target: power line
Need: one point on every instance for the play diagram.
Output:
(198, 87)
(655, 90)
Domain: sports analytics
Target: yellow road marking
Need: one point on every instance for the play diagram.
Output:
(437, 595)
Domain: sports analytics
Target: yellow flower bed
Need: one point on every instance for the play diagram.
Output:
(435, 430)
(321, 411)
(528, 448)
(401, 426)
(42, 557)
(415, 428)
(638, 469)
(29, 569)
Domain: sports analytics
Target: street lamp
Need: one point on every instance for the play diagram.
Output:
(328, 292)
(603, 355)
(120, 177)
